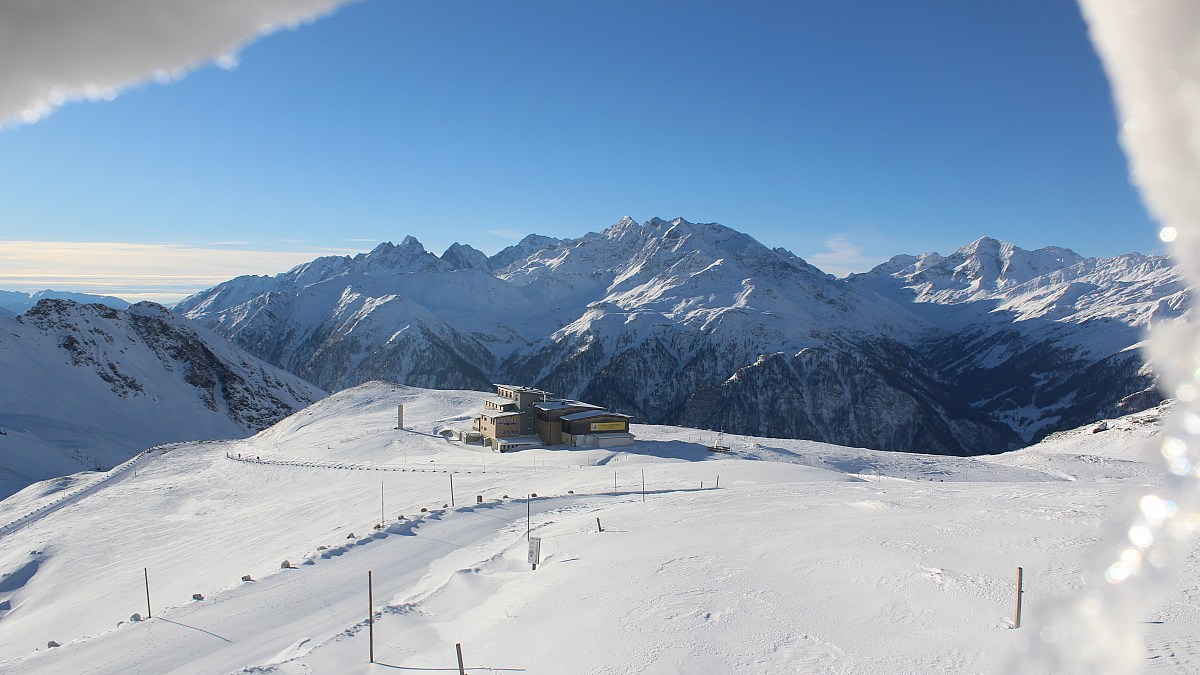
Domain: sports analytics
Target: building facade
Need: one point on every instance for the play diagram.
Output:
(499, 424)
(511, 418)
(548, 417)
(596, 429)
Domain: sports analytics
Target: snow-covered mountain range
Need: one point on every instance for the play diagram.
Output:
(88, 386)
(13, 303)
(1042, 340)
(700, 325)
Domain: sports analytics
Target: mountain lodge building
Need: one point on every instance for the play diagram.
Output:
(511, 418)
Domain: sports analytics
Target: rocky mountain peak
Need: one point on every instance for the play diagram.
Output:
(678, 234)
(1001, 264)
(522, 250)
(150, 309)
(978, 270)
(408, 247)
(465, 257)
(388, 259)
(625, 224)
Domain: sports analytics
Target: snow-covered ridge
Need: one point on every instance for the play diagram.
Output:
(1051, 281)
(670, 321)
(88, 386)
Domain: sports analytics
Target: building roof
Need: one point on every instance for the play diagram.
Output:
(592, 413)
(497, 415)
(520, 440)
(517, 387)
(559, 404)
(500, 400)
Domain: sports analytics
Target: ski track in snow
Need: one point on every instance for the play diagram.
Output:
(809, 558)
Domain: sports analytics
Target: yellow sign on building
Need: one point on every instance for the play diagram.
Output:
(608, 426)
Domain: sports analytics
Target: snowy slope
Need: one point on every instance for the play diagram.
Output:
(698, 324)
(88, 386)
(807, 558)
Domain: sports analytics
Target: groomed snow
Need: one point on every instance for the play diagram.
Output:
(808, 557)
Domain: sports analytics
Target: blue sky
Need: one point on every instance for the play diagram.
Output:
(844, 131)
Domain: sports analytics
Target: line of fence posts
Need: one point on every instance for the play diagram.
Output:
(528, 520)
(528, 523)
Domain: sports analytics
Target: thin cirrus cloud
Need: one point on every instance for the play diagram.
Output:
(842, 257)
(56, 51)
(164, 272)
(515, 235)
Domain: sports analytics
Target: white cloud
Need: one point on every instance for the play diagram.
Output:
(159, 272)
(842, 256)
(56, 51)
(515, 235)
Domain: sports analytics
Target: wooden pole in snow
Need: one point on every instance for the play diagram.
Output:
(598, 528)
(718, 482)
(371, 613)
(1020, 592)
(527, 518)
(643, 485)
(458, 649)
(382, 517)
(146, 573)
(451, 488)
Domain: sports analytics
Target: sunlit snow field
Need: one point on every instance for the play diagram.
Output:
(807, 558)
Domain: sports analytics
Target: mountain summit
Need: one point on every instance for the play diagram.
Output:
(699, 324)
(979, 270)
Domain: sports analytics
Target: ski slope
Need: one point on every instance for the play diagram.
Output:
(807, 558)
